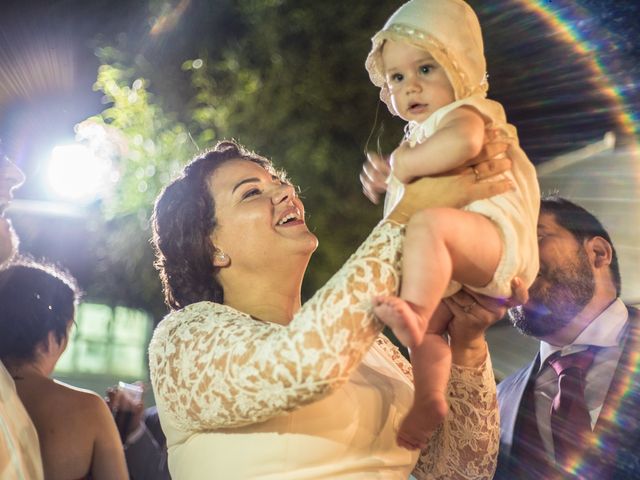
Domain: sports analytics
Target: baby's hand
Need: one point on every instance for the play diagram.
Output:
(374, 175)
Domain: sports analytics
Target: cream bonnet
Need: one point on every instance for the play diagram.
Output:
(449, 30)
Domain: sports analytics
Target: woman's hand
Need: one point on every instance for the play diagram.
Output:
(472, 315)
(456, 191)
(127, 412)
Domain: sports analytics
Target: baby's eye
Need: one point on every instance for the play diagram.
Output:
(397, 77)
(426, 68)
(251, 192)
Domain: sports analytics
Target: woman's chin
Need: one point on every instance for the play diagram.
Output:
(313, 242)
(308, 244)
(306, 240)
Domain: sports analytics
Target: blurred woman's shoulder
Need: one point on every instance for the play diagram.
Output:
(80, 401)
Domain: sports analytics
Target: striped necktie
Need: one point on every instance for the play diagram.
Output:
(570, 420)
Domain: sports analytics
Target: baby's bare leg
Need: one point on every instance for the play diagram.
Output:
(440, 244)
(431, 362)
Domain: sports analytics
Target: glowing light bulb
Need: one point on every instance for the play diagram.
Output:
(76, 173)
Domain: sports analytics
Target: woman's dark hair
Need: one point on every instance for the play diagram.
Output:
(582, 225)
(184, 217)
(35, 299)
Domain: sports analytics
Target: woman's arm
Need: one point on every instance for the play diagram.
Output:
(214, 367)
(472, 315)
(108, 460)
(452, 191)
(457, 140)
(466, 445)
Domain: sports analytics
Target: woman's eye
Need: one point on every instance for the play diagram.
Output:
(250, 193)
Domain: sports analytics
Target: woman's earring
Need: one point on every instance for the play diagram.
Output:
(220, 259)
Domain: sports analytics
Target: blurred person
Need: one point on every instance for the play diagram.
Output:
(145, 446)
(77, 435)
(592, 339)
(19, 447)
(11, 177)
(429, 63)
(252, 383)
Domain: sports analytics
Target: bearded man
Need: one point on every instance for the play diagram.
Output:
(573, 411)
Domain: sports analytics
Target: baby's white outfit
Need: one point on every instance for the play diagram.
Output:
(450, 32)
(515, 212)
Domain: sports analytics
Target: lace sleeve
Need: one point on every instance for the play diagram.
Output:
(466, 444)
(214, 367)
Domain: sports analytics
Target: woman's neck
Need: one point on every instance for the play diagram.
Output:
(275, 299)
(22, 370)
(273, 307)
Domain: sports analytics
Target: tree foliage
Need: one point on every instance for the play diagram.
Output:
(290, 85)
(286, 78)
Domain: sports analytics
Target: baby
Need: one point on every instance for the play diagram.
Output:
(429, 62)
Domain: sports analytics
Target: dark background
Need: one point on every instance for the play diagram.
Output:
(560, 94)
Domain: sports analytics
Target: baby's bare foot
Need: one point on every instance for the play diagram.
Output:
(401, 318)
(421, 421)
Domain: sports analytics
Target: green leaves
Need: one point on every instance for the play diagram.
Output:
(288, 81)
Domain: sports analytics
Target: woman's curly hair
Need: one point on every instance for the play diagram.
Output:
(183, 219)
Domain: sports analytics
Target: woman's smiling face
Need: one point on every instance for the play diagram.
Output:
(260, 219)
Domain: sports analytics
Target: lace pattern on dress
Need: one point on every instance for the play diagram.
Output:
(213, 367)
(394, 354)
(465, 446)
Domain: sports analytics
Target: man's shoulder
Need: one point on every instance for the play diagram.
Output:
(152, 422)
(151, 417)
(514, 381)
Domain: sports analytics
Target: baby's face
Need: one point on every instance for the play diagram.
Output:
(417, 83)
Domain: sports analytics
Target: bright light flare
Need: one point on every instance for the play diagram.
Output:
(76, 173)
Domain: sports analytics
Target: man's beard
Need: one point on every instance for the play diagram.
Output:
(555, 298)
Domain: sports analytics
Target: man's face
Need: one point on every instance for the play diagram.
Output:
(564, 286)
(11, 177)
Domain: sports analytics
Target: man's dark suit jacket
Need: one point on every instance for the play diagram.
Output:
(614, 452)
(147, 457)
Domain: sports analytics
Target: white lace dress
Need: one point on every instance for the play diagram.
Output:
(320, 398)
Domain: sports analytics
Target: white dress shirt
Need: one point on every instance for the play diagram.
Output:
(607, 332)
